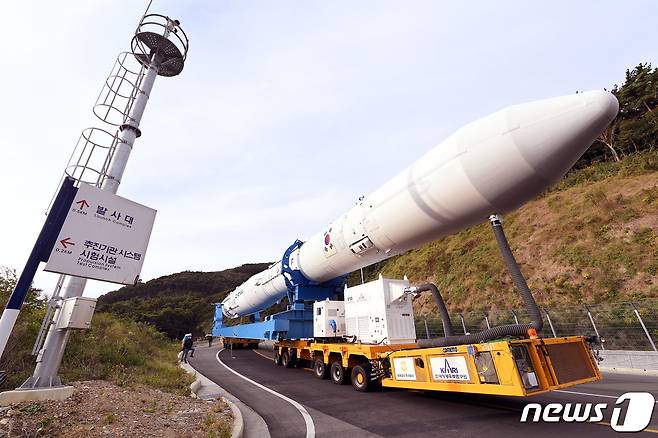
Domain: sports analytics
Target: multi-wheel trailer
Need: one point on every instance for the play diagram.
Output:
(506, 367)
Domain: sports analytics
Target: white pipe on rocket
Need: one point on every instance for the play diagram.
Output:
(490, 166)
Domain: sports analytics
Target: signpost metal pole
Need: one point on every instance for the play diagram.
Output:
(50, 357)
(159, 56)
(40, 251)
(53, 304)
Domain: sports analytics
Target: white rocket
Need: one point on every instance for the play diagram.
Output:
(490, 166)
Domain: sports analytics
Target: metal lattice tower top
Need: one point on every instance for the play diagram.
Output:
(158, 43)
(161, 39)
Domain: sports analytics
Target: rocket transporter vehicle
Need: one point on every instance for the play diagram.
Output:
(490, 166)
(366, 333)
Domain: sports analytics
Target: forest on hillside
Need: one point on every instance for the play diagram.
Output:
(635, 128)
(179, 303)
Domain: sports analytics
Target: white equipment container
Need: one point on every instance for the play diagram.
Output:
(380, 312)
(323, 313)
(76, 313)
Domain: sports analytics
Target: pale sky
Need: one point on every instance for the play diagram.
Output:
(287, 111)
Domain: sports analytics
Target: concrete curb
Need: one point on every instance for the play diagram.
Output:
(632, 371)
(629, 361)
(237, 430)
(195, 386)
(238, 423)
(37, 394)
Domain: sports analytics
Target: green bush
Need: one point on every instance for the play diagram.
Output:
(126, 352)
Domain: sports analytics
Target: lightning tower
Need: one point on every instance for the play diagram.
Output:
(158, 48)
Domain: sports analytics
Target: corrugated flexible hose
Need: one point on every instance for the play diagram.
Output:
(500, 331)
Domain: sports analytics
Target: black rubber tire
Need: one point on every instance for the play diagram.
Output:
(338, 373)
(288, 359)
(320, 369)
(361, 378)
(277, 359)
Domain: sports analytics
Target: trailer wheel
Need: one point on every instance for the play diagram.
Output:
(337, 372)
(361, 378)
(277, 358)
(287, 359)
(320, 369)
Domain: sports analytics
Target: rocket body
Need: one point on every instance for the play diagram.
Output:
(490, 166)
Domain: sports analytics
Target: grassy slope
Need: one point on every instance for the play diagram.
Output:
(592, 238)
(126, 353)
(115, 349)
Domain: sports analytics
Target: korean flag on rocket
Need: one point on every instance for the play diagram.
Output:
(329, 247)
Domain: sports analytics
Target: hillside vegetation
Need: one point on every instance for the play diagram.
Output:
(179, 303)
(115, 349)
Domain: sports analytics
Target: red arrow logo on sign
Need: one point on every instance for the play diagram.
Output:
(82, 204)
(66, 241)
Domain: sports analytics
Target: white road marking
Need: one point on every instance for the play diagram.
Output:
(310, 426)
(261, 354)
(589, 394)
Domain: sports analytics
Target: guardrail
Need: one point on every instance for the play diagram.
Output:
(622, 326)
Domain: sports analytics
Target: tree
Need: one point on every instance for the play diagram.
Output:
(17, 359)
(635, 128)
(607, 137)
(8, 279)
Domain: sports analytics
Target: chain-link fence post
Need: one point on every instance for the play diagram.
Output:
(427, 330)
(644, 327)
(548, 318)
(463, 324)
(486, 320)
(589, 314)
(516, 320)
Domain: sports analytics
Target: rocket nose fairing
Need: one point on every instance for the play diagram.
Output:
(490, 166)
(544, 139)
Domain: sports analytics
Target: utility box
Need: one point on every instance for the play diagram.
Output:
(380, 312)
(328, 315)
(76, 313)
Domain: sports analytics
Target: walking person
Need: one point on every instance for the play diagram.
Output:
(209, 339)
(188, 346)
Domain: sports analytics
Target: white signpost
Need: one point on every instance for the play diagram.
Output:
(104, 237)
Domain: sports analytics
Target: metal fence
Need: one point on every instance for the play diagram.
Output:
(622, 326)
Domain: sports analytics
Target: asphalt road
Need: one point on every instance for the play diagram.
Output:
(334, 409)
